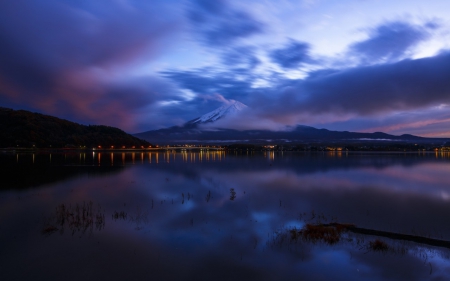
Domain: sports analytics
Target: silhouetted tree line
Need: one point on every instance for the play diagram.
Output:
(25, 129)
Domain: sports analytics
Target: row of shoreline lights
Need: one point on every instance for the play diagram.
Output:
(143, 147)
(156, 146)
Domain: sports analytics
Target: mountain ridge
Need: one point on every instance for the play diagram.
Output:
(28, 129)
(219, 113)
(192, 132)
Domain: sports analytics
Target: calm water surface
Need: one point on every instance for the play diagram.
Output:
(222, 216)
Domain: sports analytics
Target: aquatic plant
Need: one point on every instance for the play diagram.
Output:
(119, 215)
(324, 233)
(78, 218)
(232, 194)
(378, 245)
(49, 229)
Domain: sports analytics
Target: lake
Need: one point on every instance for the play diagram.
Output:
(218, 215)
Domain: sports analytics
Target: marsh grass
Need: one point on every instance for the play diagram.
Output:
(318, 233)
(232, 194)
(119, 215)
(78, 218)
(378, 246)
(139, 217)
(49, 229)
(367, 240)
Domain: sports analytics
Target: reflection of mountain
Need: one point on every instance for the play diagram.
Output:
(299, 162)
(19, 176)
(192, 131)
(19, 171)
(207, 233)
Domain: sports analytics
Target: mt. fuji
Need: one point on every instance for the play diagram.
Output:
(193, 131)
(225, 110)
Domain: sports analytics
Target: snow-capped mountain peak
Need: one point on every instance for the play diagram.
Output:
(225, 110)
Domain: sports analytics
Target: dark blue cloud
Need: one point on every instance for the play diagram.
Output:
(363, 91)
(209, 81)
(218, 23)
(293, 55)
(243, 56)
(391, 41)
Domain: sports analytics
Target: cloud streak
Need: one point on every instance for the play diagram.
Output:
(65, 57)
(218, 23)
(293, 55)
(391, 41)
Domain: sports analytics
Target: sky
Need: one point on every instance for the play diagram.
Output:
(347, 65)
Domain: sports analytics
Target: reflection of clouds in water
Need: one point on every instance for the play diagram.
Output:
(445, 195)
(200, 236)
(421, 179)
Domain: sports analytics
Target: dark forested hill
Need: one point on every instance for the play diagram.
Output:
(25, 129)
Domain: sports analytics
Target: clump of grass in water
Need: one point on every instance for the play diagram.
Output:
(78, 218)
(119, 215)
(139, 217)
(49, 229)
(378, 246)
(328, 233)
(232, 194)
(316, 233)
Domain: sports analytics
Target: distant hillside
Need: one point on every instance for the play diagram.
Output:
(188, 134)
(193, 132)
(25, 129)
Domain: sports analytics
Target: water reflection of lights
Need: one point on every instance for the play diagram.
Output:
(442, 154)
(185, 156)
(274, 199)
(166, 157)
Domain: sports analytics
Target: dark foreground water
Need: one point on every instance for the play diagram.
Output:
(223, 216)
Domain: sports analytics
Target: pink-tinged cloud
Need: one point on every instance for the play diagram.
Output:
(408, 126)
(72, 59)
